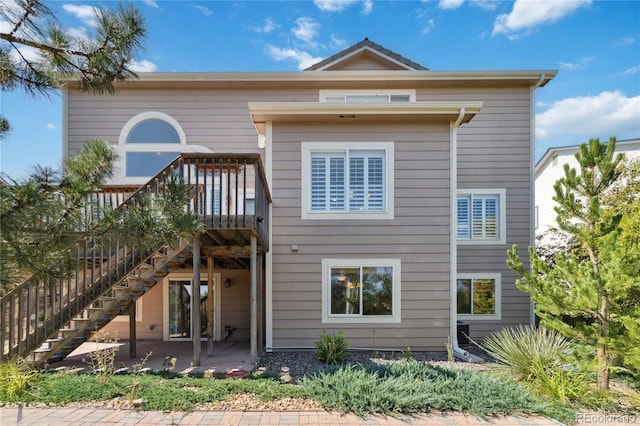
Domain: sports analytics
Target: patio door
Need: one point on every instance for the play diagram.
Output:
(179, 305)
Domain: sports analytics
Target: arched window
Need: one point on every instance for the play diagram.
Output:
(149, 142)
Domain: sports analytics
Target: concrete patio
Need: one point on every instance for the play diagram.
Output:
(226, 356)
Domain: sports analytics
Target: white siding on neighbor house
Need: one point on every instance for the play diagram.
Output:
(418, 236)
(553, 169)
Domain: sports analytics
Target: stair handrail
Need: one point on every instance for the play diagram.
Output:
(26, 332)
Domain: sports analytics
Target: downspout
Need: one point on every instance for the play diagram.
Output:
(268, 314)
(532, 181)
(458, 352)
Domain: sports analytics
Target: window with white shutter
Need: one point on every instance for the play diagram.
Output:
(480, 216)
(349, 180)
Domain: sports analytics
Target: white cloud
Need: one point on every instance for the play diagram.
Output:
(604, 115)
(268, 26)
(572, 66)
(5, 27)
(304, 59)
(625, 41)
(527, 14)
(338, 43)
(29, 53)
(306, 29)
(85, 13)
(428, 26)
(51, 126)
(333, 5)
(142, 66)
(205, 10)
(367, 7)
(485, 4)
(631, 71)
(151, 3)
(450, 4)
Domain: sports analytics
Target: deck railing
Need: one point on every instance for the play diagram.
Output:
(225, 191)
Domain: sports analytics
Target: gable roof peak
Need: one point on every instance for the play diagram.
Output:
(370, 46)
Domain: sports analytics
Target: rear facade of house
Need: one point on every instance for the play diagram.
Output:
(394, 193)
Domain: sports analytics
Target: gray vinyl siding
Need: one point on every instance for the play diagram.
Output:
(418, 236)
(216, 119)
(494, 152)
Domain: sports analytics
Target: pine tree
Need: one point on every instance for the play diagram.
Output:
(97, 59)
(43, 216)
(588, 293)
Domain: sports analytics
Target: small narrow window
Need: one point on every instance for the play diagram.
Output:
(478, 296)
(367, 96)
(480, 216)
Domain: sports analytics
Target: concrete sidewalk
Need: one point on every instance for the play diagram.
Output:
(67, 416)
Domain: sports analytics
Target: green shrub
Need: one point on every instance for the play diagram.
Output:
(541, 358)
(330, 348)
(15, 377)
(414, 386)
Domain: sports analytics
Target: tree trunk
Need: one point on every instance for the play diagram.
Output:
(603, 367)
(601, 346)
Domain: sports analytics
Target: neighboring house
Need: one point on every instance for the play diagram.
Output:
(389, 196)
(550, 168)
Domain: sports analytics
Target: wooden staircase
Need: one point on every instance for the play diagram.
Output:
(43, 320)
(115, 301)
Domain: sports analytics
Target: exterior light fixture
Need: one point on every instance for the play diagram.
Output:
(227, 282)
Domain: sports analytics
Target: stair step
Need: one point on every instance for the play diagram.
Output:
(42, 350)
(54, 340)
(68, 330)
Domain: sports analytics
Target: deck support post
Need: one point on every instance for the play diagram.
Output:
(133, 353)
(254, 298)
(195, 303)
(210, 299)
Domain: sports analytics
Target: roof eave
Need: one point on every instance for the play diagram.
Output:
(264, 112)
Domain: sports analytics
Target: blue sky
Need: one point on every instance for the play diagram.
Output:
(594, 44)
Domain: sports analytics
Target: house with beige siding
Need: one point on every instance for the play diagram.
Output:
(366, 194)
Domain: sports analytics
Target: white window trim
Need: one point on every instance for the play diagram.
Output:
(309, 147)
(324, 94)
(497, 299)
(178, 276)
(122, 140)
(502, 196)
(123, 147)
(327, 318)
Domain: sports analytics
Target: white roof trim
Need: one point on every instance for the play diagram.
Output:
(359, 51)
(551, 152)
(263, 112)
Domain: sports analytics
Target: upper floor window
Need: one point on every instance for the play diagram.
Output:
(150, 141)
(153, 130)
(481, 216)
(367, 96)
(343, 180)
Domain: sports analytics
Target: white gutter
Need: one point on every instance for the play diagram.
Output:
(458, 352)
(532, 181)
(268, 315)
